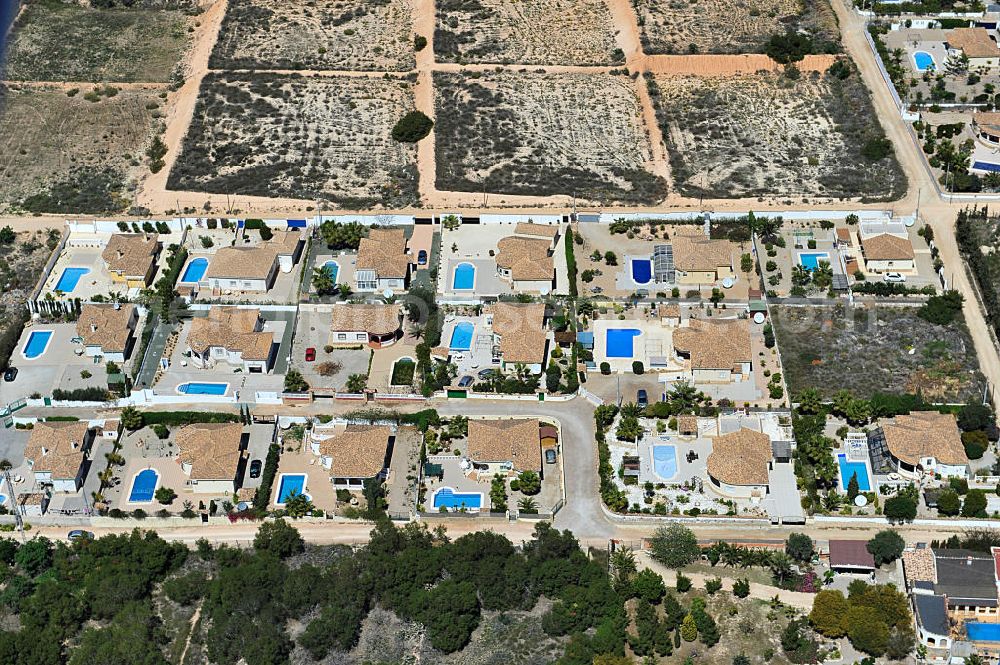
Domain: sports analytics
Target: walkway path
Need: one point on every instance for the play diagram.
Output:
(803, 601)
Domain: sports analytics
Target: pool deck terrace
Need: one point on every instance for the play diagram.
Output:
(655, 339)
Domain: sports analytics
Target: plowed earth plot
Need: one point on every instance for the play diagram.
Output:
(312, 138)
(364, 35)
(770, 135)
(532, 32)
(543, 134)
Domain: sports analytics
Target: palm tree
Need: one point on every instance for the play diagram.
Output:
(417, 333)
(781, 567)
(527, 505)
(623, 565)
(631, 409)
(810, 401)
(322, 281)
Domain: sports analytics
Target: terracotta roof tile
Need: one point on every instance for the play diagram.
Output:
(925, 434)
(538, 230)
(715, 345)
(693, 252)
(131, 254)
(373, 319)
(522, 338)
(106, 326)
(253, 262)
(514, 440)
(233, 329)
(886, 247)
(384, 251)
(988, 120)
(740, 458)
(57, 448)
(357, 452)
(212, 449)
(973, 42)
(527, 259)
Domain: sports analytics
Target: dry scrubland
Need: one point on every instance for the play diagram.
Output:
(310, 138)
(534, 32)
(56, 40)
(543, 134)
(75, 153)
(359, 35)
(769, 135)
(728, 26)
(868, 351)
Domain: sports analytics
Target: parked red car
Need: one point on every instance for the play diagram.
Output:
(310, 354)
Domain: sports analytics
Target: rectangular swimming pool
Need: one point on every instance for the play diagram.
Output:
(620, 342)
(810, 260)
(464, 278)
(642, 271)
(194, 388)
(848, 469)
(289, 485)
(665, 461)
(982, 632)
(195, 270)
(69, 278)
(448, 498)
(37, 342)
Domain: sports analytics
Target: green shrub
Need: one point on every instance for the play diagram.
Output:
(412, 127)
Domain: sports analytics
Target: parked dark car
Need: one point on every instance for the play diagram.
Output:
(10, 374)
(550, 456)
(80, 534)
(642, 399)
(255, 467)
(485, 373)
(465, 381)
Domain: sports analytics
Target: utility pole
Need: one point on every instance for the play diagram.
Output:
(17, 513)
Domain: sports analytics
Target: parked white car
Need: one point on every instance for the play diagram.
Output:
(894, 277)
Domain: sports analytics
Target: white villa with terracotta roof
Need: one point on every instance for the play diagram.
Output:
(253, 269)
(975, 44)
(923, 442)
(373, 325)
(209, 455)
(383, 262)
(699, 259)
(519, 336)
(108, 331)
(717, 351)
(57, 454)
(740, 462)
(234, 336)
(352, 454)
(505, 446)
(525, 259)
(130, 258)
(887, 252)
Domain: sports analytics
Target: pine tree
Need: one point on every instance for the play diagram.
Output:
(853, 489)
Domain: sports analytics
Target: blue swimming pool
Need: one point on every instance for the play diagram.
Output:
(642, 271)
(665, 461)
(448, 498)
(334, 269)
(810, 260)
(848, 469)
(923, 61)
(69, 278)
(37, 342)
(464, 278)
(144, 486)
(461, 336)
(982, 632)
(195, 388)
(620, 342)
(289, 485)
(195, 270)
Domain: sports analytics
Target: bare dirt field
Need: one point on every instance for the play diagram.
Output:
(54, 40)
(543, 134)
(65, 154)
(300, 137)
(730, 26)
(362, 35)
(773, 134)
(533, 32)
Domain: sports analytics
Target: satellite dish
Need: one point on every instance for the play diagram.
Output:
(758, 317)
(543, 291)
(860, 500)
(387, 293)
(728, 282)
(910, 221)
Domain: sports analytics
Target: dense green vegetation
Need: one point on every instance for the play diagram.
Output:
(412, 127)
(103, 601)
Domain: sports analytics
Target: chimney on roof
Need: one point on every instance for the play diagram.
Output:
(93, 327)
(74, 445)
(121, 253)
